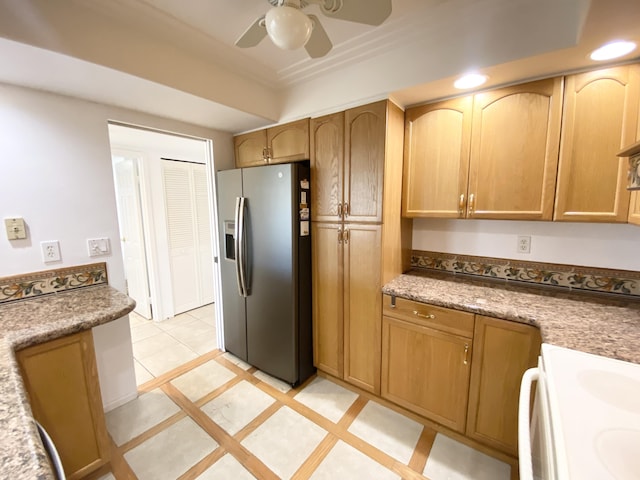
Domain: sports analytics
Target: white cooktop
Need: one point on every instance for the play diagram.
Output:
(595, 413)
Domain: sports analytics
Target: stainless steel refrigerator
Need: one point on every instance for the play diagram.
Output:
(266, 267)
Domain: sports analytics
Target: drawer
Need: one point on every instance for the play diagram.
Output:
(440, 318)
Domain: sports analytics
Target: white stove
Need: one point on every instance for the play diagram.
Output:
(586, 418)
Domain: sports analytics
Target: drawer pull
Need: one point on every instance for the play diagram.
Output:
(430, 316)
(466, 354)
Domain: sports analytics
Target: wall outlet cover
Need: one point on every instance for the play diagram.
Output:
(16, 229)
(50, 251)
(98, 247)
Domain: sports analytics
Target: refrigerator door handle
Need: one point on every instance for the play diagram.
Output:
(236, 246)
(241, 262)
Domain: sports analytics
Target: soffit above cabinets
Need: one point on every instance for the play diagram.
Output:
(188, 47)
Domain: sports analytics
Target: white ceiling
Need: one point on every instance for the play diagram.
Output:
(177, 59)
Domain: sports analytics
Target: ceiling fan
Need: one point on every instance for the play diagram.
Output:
(290, 28)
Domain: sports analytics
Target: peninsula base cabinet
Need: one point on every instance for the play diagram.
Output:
(458, 369)
(61, 379)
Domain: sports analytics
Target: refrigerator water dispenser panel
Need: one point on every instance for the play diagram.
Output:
(229, 240)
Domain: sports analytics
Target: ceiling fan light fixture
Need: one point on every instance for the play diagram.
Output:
(613, 50)
(470, 80)
(288, 27)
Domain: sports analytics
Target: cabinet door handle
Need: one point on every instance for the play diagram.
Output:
(265, 155)
(340, 210)
(429, 316)
(472, 203)
(340, 235)
(461, 205)
(345, 235)
(466, 354)
(346, 209)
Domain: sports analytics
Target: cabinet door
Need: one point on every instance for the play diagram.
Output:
(514, 151)
(502, 351)
(436, 159)
(61, 379)
(600, 116)
(363, 305)
(426, 371)
(327, 163)
(328, 326)
(250, 148)
(289, 142)
(365, 129)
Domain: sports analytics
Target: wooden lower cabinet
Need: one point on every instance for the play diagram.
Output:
(426, 371)
(328, 294)
(61, 379)
(363, 305)
(503, 350)
(347, 310)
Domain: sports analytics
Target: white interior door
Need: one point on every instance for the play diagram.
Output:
(189, 234)
(125, 170)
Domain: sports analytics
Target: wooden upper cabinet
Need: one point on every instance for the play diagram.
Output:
(327, 167)
(600, 118)
(288, 142)
(365, 134)
(436, 159)
(279, 144)
(514, 151)
(250, 148)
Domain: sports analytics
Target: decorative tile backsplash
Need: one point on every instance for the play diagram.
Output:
(28, 285)
(568, 276)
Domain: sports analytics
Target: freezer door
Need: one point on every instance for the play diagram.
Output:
(271, 256)
(233, 304)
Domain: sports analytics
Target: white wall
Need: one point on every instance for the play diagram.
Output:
(594, 245)
(55, 167)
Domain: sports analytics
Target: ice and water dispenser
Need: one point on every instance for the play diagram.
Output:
(229, 240)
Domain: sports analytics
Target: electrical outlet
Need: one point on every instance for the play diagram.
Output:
(524, 244)
(50, 251)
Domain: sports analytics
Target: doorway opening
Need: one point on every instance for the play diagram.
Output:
(166, 214)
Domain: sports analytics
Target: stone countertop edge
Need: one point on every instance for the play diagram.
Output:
(608, 329)
(30, 322)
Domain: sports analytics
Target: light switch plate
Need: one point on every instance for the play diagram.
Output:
(98, 247)
(15, 228)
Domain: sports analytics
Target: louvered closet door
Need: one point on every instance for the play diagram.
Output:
(189, 234)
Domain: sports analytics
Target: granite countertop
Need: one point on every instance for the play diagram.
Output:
(607, 325)
(30, 322)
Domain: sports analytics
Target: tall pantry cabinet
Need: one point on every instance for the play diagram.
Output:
(358, 232)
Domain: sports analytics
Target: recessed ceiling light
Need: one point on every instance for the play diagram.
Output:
(470, 80)
(612, 50)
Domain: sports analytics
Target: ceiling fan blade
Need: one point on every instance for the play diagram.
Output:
(318, 44)
(253, 35)
(369, 12)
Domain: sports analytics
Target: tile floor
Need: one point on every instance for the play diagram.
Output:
(215, 417)
(162, 346)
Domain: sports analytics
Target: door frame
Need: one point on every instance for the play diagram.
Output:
(149, 225)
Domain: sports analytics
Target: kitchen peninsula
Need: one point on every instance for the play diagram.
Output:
(35, 321)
